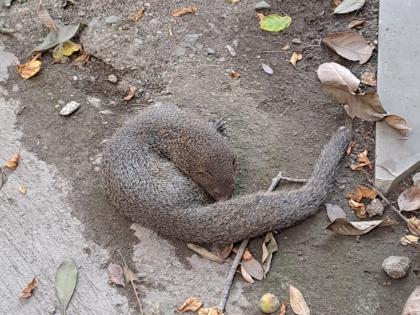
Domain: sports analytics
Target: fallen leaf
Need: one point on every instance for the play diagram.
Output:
(183, 11)
(13, 162)
(46, 18)
(334, 212)
(362, 192)
(356, 23)
(191, 304)
(223, 251)
(285, 47)
(409, 239)
(234, 74)
(65, 49)
(131, 92)
(413, 225)
(209, 311)
(54, 38)
(397, 123)
(131, 277)
(412, 305)
(246, 255)
(204, 253)
(82, 59)
(350, 45)
(359, 208)
(22, 189)
(344, 227)
(247, 277)
(368, 78)
(335, 2)
(295, 58)
(267, 69)
(65, 283)
(30, 68)
(116, 274)
(297, 302)
(253, 268)
(335, 75)
(349, 6)
(26, 292)
(409, 199)
(274, 22)
(363, 160)
(138, 15)
(283, 309)
(269, 247)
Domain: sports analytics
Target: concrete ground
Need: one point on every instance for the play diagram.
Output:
(277, 122)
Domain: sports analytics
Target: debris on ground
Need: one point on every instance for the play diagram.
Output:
(396, 266)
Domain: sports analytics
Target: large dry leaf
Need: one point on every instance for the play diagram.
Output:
(254, 268)
(65, 283)
(297, 302)
(335, 75)
(116, 274)
(204, 253)
(269, 247)
(350, 45)
(344, 227)
(29, 68)
(349, 6)
(412, 305)
(183, 11)
(191, 304)
(334, 212)
(247, 277)
(54, 38)
(413, 225)
(397, 123)
(409, 200)
(26, 292)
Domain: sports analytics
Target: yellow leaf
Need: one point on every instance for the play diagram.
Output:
(65, 49)
(191, 304)
(13, 162)
(297, 302)
(22, 189)
(409, 239)
(209, 311)
(30, 68)
(295, 58)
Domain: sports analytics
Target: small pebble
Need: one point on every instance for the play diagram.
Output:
(75, 78)
(70, 108)
(112, 19)
(396, 266)
(211, 51)
(179, 51)
(112, 78)
(260, 5)
(375, 208)
(296, 41)
(232, 51)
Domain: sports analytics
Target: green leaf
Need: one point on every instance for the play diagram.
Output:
(275, 23)
(54, 38)
(65, 283)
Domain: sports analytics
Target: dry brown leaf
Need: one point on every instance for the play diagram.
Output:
(234, 74)
(359, 208)
(246, 255)
(356, 23)
(350, 45)
(209, 311)
(82, 59)
(247, 277)
(283, 308)
(409, 200)
(223, 251)
(295, 58)
(350, 147)
(334, 75)
(335, 3)
(22, 189)
(409, 239)
(138, 15)
(285, 47)
(27, 290)
(412, 305)
(116, 274)
(363, 160)
(297, 301)
(204, 253)
(413, 225)
(183, 11)
(397, 123)
(13, 162)
(269, 247)
(334, 212)
(131, 93)
(344, 227)
(46, 18)
(191, 304)
(362, 192)
(30, 68)
(253, 268)
(368, 78)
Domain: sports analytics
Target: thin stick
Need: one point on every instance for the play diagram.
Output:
(228, 282)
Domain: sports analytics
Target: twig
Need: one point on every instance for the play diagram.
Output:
(228, 282)
(389, 203)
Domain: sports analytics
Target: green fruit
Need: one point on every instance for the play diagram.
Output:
(269, 303)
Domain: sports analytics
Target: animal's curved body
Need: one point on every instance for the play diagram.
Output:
(162, 168)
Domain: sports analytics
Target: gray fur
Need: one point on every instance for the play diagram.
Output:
(150, 173)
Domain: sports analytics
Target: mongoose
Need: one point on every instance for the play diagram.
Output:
(166, 167)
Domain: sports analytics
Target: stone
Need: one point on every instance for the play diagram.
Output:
(296, 41)
(261, 5)
(396, 267)
(191, 38)
(96, 102)
(112, 78)
(375, 208)
(211, 51)
(70, 108)
(179, 51)
(231, 51)
(398, 90)
(112, 19)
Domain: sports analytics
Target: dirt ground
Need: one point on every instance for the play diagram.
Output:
(277, 122)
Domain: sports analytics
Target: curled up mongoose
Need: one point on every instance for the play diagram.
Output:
(165, 168)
